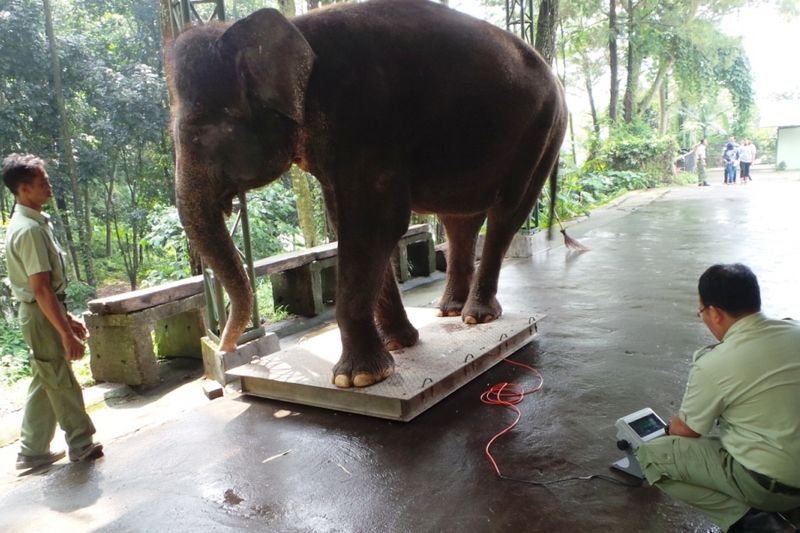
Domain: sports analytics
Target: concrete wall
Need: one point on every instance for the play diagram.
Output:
(788, 147)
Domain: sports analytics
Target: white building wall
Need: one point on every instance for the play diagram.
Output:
(788, 147)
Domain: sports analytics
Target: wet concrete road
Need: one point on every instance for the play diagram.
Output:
(618, 336)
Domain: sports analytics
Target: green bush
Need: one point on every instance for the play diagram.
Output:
(637, 149)
(266, 305)
(78, 293)
(14, 362)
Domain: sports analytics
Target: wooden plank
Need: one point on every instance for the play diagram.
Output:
(449, 355)
(132, 301)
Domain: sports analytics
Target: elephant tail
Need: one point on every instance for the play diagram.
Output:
(569, 242)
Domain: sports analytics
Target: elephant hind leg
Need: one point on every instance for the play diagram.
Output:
(462, 235)
(504, 219)
(394, 327)
(482, 305)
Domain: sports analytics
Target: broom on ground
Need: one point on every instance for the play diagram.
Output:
(569, 242)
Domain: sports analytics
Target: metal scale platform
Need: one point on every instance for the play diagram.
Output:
(448, 355)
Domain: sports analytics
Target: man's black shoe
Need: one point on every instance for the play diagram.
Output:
(90, 452)
(756, 521)
(28, 462)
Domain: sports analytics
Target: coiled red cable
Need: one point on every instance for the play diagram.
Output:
(508, 395)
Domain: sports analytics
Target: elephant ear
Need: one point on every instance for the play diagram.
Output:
(273, 59)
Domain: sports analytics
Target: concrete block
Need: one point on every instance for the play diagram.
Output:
(212, 389)
(216, 364)
(121, 350)
(179, 335)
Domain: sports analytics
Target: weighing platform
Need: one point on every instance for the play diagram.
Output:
(448, 355)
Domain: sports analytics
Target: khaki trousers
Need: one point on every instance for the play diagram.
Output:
(702, 473)
(54, 396)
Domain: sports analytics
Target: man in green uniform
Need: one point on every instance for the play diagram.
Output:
(747, 476)
(38, 280)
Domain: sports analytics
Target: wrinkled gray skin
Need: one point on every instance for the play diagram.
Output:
(393, 105)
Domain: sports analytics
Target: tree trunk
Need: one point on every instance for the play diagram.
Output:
(663, 101)
(109, 186)
(62, 214)
(305, 210)
(546, 26)
(302, 192)
(169, 180)
(165, 19)
(287, 7)
(588, 81)
(613, 60)
(634, 65)
(4, 208)
(663, 68)
(563, 77)
(84, 233)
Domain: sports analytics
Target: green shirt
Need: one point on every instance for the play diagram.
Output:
(31, 248)
(750, 384)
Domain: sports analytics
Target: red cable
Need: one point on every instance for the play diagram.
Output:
(508, 395)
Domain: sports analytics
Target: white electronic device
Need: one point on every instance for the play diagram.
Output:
(633, 430)
(642, 426)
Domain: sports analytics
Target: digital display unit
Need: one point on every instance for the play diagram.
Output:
(642, 426)
(646, 425)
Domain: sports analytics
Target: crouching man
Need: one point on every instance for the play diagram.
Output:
(747, 385)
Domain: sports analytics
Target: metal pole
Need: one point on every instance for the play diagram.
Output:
(248, 255)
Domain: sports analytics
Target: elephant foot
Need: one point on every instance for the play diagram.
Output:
(449, 307)
(476, 313)
(395, 338)
(362, 371)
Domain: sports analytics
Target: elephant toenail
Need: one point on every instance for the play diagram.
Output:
(342, 381)
(363, 380)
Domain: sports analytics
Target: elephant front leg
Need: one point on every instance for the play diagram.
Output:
(363, 263)
(394, 327)
(462, 234)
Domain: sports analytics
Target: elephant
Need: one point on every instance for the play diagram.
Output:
(393, 106)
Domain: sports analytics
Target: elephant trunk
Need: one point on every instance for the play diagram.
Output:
(202, 218)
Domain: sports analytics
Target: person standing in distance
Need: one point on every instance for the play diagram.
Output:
(747, 387)
(37, 274)
(700, 152)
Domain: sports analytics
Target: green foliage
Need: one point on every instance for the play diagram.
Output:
(766, 141)
(165, 247)
(273, 219)
(733, 69)
(266, 305)
(635, 147)
(78, 293)
(580, 190)
(14, 362)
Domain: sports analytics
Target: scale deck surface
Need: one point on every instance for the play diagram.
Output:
(448, 355)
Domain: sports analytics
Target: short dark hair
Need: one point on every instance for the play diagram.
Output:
(21, 168)
(732, 288)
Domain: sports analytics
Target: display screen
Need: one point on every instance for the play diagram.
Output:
(647, 425)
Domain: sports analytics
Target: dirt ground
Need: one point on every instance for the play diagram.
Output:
(618, 336)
